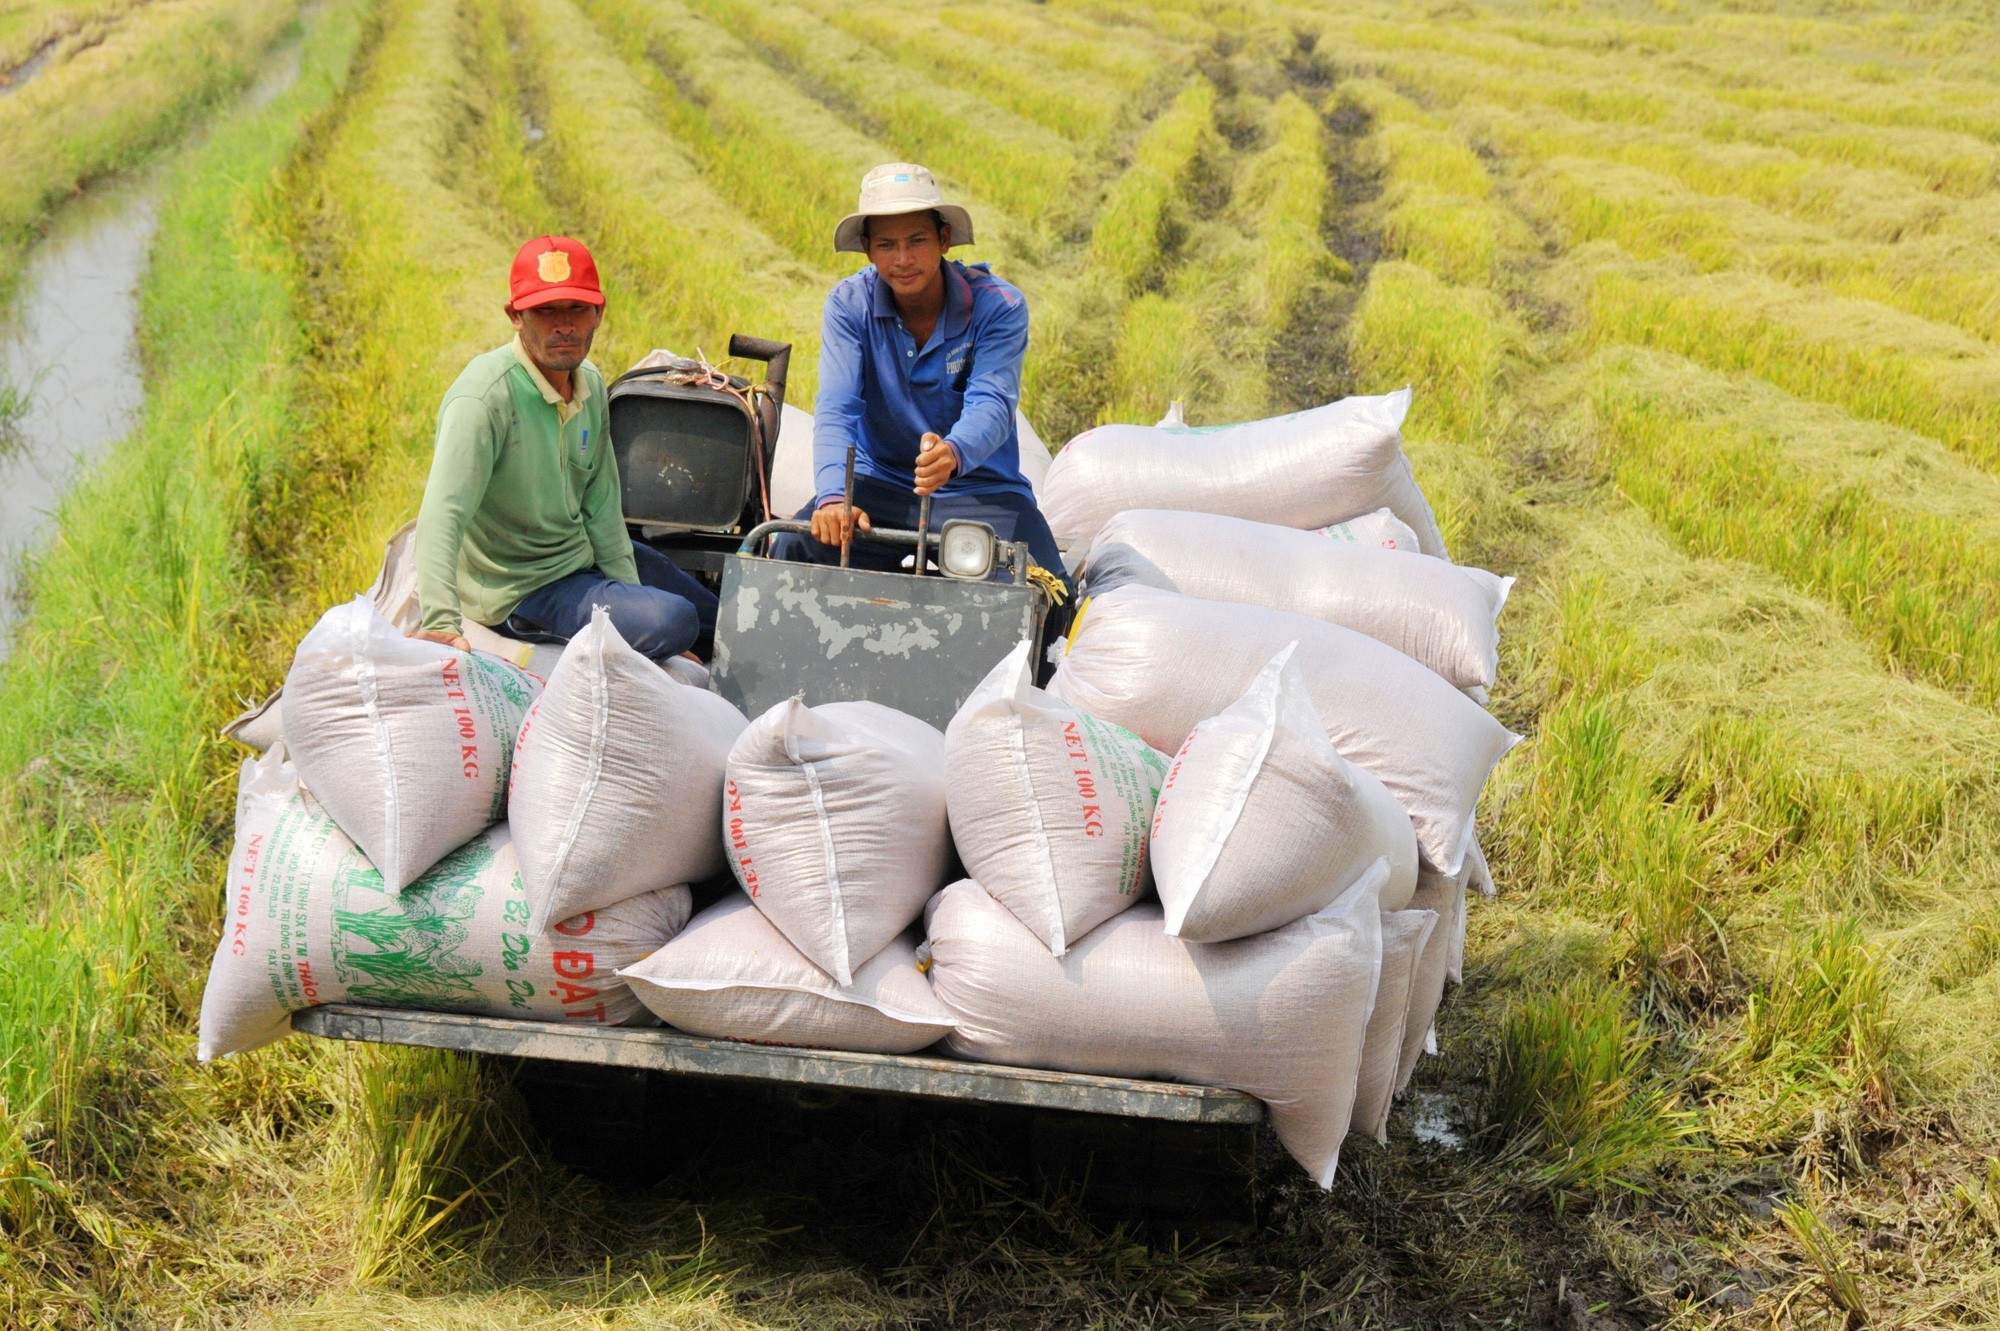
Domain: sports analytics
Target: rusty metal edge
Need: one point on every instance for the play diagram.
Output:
(670, 1051)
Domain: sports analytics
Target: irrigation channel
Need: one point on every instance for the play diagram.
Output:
(69, 348)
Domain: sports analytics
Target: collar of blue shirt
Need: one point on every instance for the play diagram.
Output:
(957, 316)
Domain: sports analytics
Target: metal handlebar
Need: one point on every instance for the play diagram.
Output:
(757, 534)
(1012, 554)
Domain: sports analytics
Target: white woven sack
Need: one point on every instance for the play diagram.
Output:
(1158, 663)
(1034, 453)
(1427, 979)
(731, 975)
(307, 920)
(1443, 614)
(1446, 894)
(793, 484)
(1480, 880)
(1261, 823)
(1280, 1016)
(1309, 469)
(617, 785)
(1404, 933)
(1380, 529)
(406, 743)
(835, 819)
(394, 593)
(1050, 808)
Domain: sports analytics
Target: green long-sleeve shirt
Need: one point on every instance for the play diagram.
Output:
(523, 490)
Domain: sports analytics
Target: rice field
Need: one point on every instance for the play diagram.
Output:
(1700, 305)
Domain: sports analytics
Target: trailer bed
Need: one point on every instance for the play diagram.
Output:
(660, 1050)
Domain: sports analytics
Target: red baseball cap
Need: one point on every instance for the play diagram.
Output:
(552, 268)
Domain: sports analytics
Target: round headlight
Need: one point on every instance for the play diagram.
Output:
(965, 549)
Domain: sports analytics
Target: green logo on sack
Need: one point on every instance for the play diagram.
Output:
(511, 682)
(404, 950)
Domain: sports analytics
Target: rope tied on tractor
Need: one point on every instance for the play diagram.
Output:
(713, 377)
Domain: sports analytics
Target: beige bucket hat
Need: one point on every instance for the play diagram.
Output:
(891, 190)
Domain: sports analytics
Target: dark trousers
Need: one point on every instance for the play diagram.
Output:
(666, 614)
(1012, 516)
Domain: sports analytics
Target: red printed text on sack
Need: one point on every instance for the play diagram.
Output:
(739, 841)
(1086, 780)
(521, 743)
(1173, 774)
(468, 728)
(573, 968)
(240, 931)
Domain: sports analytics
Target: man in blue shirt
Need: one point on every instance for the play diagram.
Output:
(920, 371)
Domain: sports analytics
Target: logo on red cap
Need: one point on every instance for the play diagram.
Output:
(552, 268)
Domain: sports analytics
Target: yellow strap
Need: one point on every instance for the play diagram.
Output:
(1048, 582)
(1083, 608)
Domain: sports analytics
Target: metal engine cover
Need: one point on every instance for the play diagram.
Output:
(684, 455)
(919, 645)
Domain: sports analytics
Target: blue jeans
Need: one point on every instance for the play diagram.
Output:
(1012, 516)
(666, 614)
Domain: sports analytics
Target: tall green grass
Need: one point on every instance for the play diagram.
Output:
(1284, 189)
(788, 163)
(691, 267)
(992, 152)
(105, 106)
(1873, 363)
(1740, 483)
(1611, 89)
(1818, 1025)
(1143, 218)
(1749, 929)
(1079, 105)
(1754, 841)
(147, 617)
(1571, 1088)
(45, 28)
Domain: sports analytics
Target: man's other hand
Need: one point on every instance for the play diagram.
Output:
(935, 464)
(454, 641)
(832, 522)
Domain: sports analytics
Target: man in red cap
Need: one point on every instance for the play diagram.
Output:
(522, 527)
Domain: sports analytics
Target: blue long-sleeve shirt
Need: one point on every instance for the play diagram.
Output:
(880, 391)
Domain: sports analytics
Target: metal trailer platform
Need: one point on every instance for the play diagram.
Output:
(658, 1050)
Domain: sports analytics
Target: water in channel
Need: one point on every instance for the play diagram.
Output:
(69, 353)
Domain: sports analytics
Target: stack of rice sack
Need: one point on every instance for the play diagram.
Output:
(436, 829)
(1228, 845)
(833, 819)
(1330, 465)
(1320, 682)
(842, 821)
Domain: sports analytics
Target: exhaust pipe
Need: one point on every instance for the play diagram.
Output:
(777, 358)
